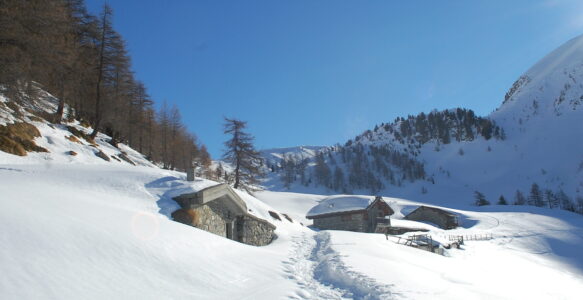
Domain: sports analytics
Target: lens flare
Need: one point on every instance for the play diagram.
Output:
(145, 226)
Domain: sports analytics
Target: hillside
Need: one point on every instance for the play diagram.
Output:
(533, 137)
(83, 226)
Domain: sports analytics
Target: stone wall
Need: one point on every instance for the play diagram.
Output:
(254, 231)
(350, 222)
(212, 217)
(379, 210)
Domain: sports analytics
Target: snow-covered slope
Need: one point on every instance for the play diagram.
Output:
(97, 231)
(78, 226)
(541, 116)
(535, 136)
(272, 156)
(75, 225)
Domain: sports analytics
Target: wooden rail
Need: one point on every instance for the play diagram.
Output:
(471, 237)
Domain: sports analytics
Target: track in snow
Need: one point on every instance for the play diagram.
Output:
(321, 274)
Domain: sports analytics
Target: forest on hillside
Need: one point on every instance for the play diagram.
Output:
(59, 47)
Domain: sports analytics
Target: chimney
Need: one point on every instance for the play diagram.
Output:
(190, 174)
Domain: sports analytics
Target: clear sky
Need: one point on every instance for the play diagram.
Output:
(320, 72)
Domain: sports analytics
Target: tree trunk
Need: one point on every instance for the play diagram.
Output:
(97, 121)
(61, 107)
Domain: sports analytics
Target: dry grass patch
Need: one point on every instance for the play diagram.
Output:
(80, 134)
(18, 139)
(74, 139)
(84, 124)
(39, 116)
(16, 108)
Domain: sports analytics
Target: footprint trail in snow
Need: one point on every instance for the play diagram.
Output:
(321, 274)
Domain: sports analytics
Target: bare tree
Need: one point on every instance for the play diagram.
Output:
(242, 154)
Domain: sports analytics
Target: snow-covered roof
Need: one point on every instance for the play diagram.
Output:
(340, 203)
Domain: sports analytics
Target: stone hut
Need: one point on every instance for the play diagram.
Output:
(351, 213)
(219, 210)
(442, 218)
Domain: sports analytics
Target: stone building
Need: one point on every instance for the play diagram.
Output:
(442, 218)
(219, 210)
(351, 213)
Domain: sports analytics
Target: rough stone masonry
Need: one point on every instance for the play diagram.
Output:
(219, 210)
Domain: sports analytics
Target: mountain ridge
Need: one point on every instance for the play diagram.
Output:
(531, 138)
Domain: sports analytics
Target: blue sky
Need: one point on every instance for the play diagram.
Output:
(320, 72)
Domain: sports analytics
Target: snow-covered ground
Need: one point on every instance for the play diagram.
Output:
(98, 230)
(77, 226)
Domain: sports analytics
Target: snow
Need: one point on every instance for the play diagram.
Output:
(340, 203)
(80, 227)
(293, 204)
(542, 123)
(96, 230)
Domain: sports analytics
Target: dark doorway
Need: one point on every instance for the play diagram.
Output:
(229, 230)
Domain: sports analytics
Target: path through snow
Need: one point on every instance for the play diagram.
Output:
(321, 274)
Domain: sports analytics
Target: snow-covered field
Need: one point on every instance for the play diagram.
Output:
(96, 231)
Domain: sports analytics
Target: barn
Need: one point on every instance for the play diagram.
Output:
(442, 218)
(351, 213)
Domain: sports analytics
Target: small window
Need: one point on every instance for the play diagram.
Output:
(346, 217)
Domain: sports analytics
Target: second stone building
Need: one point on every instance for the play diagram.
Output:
(351, 213)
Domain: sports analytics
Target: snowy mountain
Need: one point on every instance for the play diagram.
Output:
(535, 136)
(275, 155)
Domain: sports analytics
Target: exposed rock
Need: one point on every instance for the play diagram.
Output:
(274, 215)
(125, 158)
(72, 153)
(288, 218)
(102, 155)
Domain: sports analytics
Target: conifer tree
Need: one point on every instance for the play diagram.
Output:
(502, 200)
(241, 152)
(564, 200)
(338, 181)
(480, 199)
(535, 198)
(551, 199)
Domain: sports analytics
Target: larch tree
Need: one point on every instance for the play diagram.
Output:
(241, 153)
(519, 198)
(535, 197)
(106, 50)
